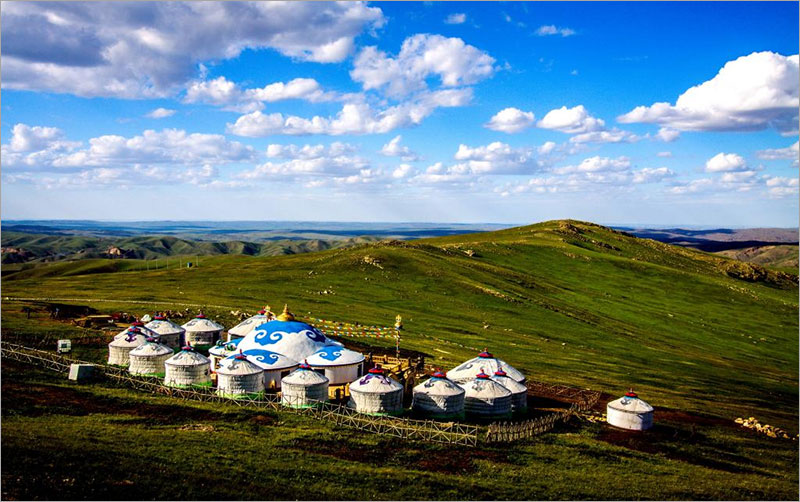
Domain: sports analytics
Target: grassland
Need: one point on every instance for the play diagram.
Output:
(704, 338)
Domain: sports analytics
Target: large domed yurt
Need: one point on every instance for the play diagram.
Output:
(486, 399)
(376, 394)
(222, 350)
(170, 333)
(244, 328)
(148, 358)
(340, 365)
(439, 397)
(121, 346)
(485, 361)
(201, 332)
(186, 368)
(238, 377)
(630, 412)
(519, 392)
(304, 388)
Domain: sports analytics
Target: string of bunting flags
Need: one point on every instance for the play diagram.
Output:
(338, 328)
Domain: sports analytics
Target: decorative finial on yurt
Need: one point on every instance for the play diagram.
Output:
(286, 315)
(630, 393)
(398, 322)
(201, 315)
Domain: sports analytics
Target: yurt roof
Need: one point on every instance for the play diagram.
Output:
(294, 339)
(128, 338)
(485, 361)
(484, 387)
(335, 355)
(188, 357)
(267, 359)
(630, 403)
(225, 348)
(151, 349)
(164, 326)
(248, 325)
(304, 375)
(375, 382)
(201, 323)
(439, 385)
(144, 330)
(509, 383)
(238, 365)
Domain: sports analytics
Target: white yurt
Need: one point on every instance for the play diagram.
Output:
(439, 397)
(484, 362)
(304, 388)
(238, 377)
(486, 398)
(293, 339)
(148, 333)
(244, 328)
(275, 366)
(121, 346)
(169, 332)
(222, 350)
(186, 368)
(519, 391)
(148, 358)
(376, 394)
(340, 365)
(201, 332)
(630, 412)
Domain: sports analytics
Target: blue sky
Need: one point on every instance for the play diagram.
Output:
(641, 113)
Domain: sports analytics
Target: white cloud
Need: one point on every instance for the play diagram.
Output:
(576, 120)
(750, 93)
(725, 162)
(161, 113)
(394, 149)
(421, 56)
(510, 120)
(299, 88)
(608, 136)
(550, 29)
(227, 94)
(651, 175)
(494, 158)
(596, 164)
(308, 160)
(778, 186)
(664, 154)
(403, 171)
(694, 186)
(219, 91)
(790, 152)
(668, 135)
(547, 148)
(456, 18)
(335, 149)
(151, 49)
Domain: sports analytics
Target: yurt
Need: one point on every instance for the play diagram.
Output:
(186, 368)
(304, 388)
(293, 339)
(519, 392)
(244, 328)
(484, 362)
(148, 358)
(140, 326)
(439, 397)
(169, 332)
(222, 350)
(376, 394)
(630, 412)
(238, 377)
(340, 365)
(201, 332)
(275, 366)
(486, 398)
(121, 346)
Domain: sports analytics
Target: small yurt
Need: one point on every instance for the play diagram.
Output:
(201, 332)
(238, 377)
(186, 368)
(222, 350)
(169, 332)
(484, 362)
(376, 394)
(121, 346)
(244, 328)
(340, 365)
(304, 388)
(275, 366)
(630, 412)
(439, 397)
(519, 392)
(139, 325)
(148, 358)
(485, 398)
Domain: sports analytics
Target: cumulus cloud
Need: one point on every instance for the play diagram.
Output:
(161, 113)
(779, 186)
(403, 171)
(33, 146)
(607, 136)
(575, 120)
(668, 135)
(753, 92)
(455, 18)
(725, 162)
(394, 149)
(307, 160)
(151, 49)
(551, 29)
(596, 164)
(664, 154)
(790, 152)
(227, 94)
(510, 120)
(494, 158)
(421, 56)
(652, 175)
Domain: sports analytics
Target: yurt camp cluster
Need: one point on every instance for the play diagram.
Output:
(268, 353)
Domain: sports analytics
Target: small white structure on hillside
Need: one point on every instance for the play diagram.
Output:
(485, 361)
(244, 328)
(186, 368)
(237, 377)
(630, 412)
(519, 392)
(341, 365)
(149, 358)
(169, 332)
(439, 397)
(121, 346)
(376, 394)
(486, 398)
(201, 332)
(304, 388)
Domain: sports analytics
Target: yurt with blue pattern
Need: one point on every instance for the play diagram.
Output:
(340, 365)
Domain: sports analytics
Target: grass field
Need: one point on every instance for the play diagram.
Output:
(704, 338)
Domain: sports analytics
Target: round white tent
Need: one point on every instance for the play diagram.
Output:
(169, 332)
(439, 397)
(376, 394)
(341, 365)
(304, 388)
(485, 361)
(201, 332)
(630, 412)
(148, 358)
(238, 377)
(519, 392)
(121, 346)
(244, 328)
(222, 350)
(486, 398)
(144, 330)
(186, 368)
(275, 366)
